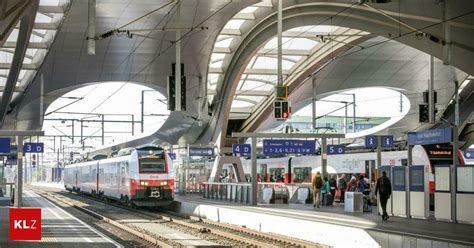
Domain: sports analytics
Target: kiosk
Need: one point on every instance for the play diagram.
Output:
(419, 192)
(388, 170)
(442, 193)
(465, 194)
(399, 194)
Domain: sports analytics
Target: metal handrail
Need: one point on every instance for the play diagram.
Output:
(233, 192)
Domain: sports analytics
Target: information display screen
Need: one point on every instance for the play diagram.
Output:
(417, 178)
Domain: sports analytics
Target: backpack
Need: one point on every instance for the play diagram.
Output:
(319, 183)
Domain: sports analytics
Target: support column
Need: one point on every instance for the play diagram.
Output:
(133, 125)
(354, 110)
(345, 118)
(431, 103)
(91, 28)
(379, 151)
(41, 105)
(407, 179)
(313, 104)
(142, 113)
(18, 201)
(103, 130)
(280, 42)
(253, 199)
(178, 62)
(453, 168)
(324, 161)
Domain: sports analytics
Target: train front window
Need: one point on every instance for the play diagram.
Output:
(152, 165)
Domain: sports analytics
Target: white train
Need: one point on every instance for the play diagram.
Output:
(138, 178)
(300, 169)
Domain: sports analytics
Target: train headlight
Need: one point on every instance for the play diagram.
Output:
(142, 183)
(165, 183)
(146, 183)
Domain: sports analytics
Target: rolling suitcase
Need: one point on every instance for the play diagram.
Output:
(328, 200)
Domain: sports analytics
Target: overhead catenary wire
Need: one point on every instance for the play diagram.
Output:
(162, 52)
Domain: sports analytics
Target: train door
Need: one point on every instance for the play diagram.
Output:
(263, 173)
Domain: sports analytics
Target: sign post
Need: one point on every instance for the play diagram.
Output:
(19, 134)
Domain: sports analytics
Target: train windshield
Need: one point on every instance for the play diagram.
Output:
(156, 165)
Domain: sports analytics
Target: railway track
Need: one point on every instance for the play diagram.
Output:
(226, 234)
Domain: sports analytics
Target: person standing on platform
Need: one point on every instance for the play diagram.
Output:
(333, 185)
(352, 186)
(384, 188)
(361, 185)
(326, 192)
(342, 187)
(317, 185)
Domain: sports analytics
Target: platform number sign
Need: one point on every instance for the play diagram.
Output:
(371, 141)
(387, 141)
(241, 149)
(5, 145)
(33, 148)
(335, 149)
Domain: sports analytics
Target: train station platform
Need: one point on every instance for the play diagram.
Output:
(59, 228)
(330, 225)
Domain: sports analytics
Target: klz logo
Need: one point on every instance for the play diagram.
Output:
(25, 224)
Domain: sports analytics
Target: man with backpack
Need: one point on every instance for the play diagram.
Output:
(384, 187)
(317, 185)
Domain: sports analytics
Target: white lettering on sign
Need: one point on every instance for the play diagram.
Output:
(21, 224)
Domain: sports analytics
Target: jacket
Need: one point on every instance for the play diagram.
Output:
(352, 184)
(313, 182)
(342, 184)
(326, 188)
(361, 186)
(384, 187)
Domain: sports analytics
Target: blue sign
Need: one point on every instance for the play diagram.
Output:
(241, 149)
(201, 151)
(172, 155)
(387, 141)
(335, 149)
(33, 148)
(436, 136)
(371, 141)
(469, 154)
(5, 145)
(281, 146)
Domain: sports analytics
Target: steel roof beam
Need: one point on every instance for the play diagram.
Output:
(222, 50)
(246, 92)
(16, 89)
(244, 16)
(31, 45)
(295, 52)
(264, 71)
(24, 34)
(231, 31)
(6, 66)
(252, 71)
(51, 9)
